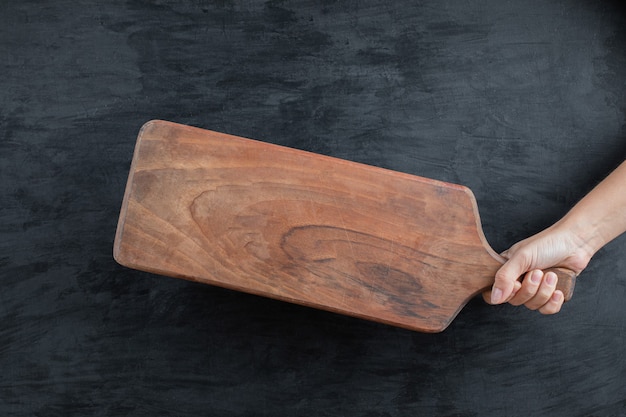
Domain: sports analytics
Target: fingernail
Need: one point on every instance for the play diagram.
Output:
(496, 296)
(551, 278)
(535, 277)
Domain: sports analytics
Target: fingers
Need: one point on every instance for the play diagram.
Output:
(544, 292)
(516, 286)
(505, 280)
(529, 288)
(553, 305)
(538, 292)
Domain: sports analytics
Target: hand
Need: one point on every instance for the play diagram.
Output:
(556, 246)
(570, 243)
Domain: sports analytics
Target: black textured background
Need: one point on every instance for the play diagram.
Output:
(523, 101)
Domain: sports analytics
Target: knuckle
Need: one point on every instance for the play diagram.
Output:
(539, 300)
(501, 277)
(527, 292)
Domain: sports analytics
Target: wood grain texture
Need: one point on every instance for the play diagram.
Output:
(303, 228)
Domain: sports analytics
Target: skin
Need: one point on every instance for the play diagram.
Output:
(571, 243)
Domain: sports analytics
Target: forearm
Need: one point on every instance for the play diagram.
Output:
(601, 215)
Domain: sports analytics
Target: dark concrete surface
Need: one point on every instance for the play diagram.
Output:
(522, 101)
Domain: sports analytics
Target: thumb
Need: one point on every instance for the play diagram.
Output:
(505, 279)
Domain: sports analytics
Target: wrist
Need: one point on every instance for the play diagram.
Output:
(584, 236)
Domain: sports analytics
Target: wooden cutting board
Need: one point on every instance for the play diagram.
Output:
(304, 228)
